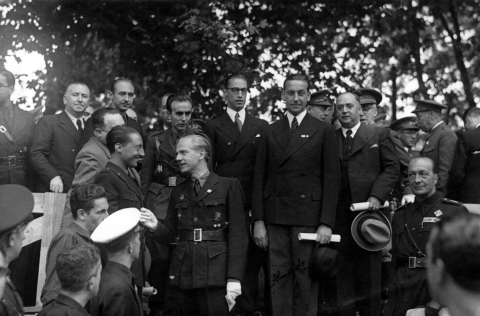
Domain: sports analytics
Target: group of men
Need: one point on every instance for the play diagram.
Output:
(219, 204)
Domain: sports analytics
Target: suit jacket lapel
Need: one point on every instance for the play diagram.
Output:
(282, 132)
(125, 178)
(304, 133)
(363, 135)
(248, 131)
(208, 187)
(166, 145)
(67, 125)
(19, 121)
(339, 143)
(228, 127)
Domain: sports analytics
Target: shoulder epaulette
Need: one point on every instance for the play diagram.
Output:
(451, 202)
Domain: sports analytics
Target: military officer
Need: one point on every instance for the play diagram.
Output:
(320, 106)
(369, 100)
(15, 212)
(440, 142)
(407, 130)
(412, 225)
(206, 220)
(16, 133)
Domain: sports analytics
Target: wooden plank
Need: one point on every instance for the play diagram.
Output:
(473, 208)
(39, 202)
(52, 221)
(33, 232)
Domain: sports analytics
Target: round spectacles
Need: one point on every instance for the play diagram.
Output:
(237, 90)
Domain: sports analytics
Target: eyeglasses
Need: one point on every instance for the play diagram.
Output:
(237, 90)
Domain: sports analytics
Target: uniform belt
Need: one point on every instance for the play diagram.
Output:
(13, 160)
(412, 262)
(202, 235)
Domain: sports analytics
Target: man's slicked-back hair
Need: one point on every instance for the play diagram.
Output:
(355, 95)
(199, 143)
(457, 244)
(300, 77)
(121, 79)
(179, 97)
(76, 83)
(98, 117)
(233, 76)
(119, 135)
(10, 78)
(471, 112)
(76, 265)
(83, 197)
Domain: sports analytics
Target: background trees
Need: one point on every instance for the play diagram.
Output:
(405, 48)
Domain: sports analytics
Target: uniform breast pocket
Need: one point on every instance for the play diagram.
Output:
(217, 209)
(180, 208)
(178, 258)
(217, 264)
(129, 200)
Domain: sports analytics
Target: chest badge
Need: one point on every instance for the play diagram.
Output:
(217, 217)
(208, 191)
(179, 216)
(181, 197)
(438, 213)
(305, 136)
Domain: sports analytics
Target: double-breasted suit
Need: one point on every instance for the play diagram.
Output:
(370, 167)
(215, 218)
(234, 151)
(440, 145)
(56, 143)
(13, 148)
(465, 174)
(295, 189)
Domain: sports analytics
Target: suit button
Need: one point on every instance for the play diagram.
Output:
(302, 196)
(413, 229)
(195, 219)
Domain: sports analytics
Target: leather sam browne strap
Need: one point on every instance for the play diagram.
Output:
(5, 132)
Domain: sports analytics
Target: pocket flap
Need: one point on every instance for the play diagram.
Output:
(131, 197)
(317, 196)
(214, 251)
(180, 252)
(155, 188)
(215, 202)
(181, 205)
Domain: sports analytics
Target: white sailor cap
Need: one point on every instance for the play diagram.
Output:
(116, 225)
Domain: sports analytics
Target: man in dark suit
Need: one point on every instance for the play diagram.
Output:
(234, 136)
(295, 190)
(370, 170)
(122, 93)
(206, 220)
(57, 141)
(122, 183)
(441, 141)
(16, 129)
(465, 174)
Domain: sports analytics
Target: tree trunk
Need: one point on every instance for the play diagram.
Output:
(415, 52)
(393, 98)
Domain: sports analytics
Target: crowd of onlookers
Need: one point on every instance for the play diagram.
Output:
(210, 213)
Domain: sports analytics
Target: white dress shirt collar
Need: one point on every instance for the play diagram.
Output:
(74, 120)
(231, 113)
(299, 117)
(436, 125)
(354, 130)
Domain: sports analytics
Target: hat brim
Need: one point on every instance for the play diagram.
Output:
(359, 240)
(319, 253)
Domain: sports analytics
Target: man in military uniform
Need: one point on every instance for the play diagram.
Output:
(412, 225)
(15, 211)
(320, 106)
(158, 176)
(206, 219)
(407, 130)
(441, 141)
(16, 132)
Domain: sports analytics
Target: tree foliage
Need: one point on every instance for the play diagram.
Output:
(405, 48)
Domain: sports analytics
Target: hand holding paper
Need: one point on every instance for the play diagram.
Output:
(307, 236)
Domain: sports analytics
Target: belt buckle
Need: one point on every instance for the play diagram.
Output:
(412, 262)
(197, 234)
(2, 129)
(12, 161)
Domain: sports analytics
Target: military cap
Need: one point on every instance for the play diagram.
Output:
(16, 206)
(368, 96)
(116, 225)
(320, 98)
(428, 105)
(380, 117)
(404, 123)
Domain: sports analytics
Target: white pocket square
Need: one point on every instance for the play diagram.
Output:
(374, 145)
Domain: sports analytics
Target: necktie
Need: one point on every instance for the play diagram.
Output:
(238, 122)
(349, 137)
(196, 186)
(294, 127)
(79, 124)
